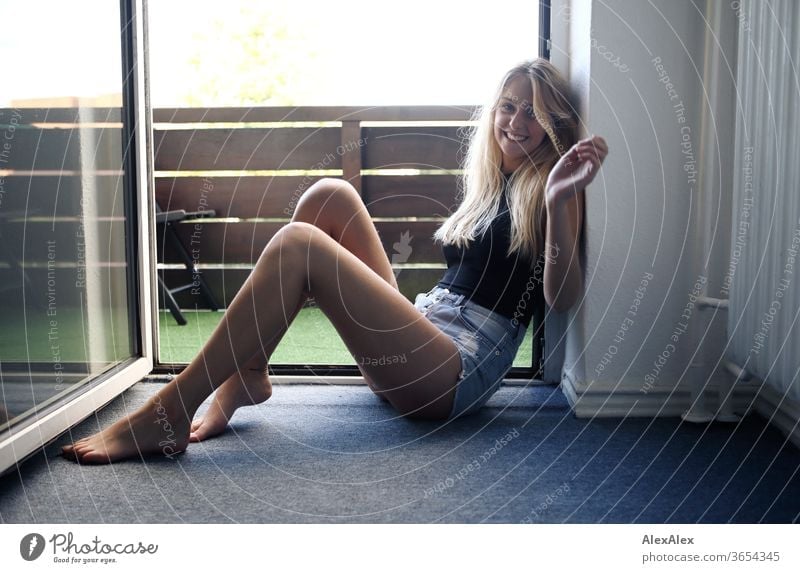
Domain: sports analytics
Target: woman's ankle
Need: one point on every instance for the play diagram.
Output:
(177, 403)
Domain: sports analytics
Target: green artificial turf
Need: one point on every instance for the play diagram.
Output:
(36, 337)
(311, 339)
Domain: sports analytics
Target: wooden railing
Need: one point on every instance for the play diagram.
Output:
(61, 205)
(250, 165)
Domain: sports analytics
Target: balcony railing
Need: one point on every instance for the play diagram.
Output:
(250, 165)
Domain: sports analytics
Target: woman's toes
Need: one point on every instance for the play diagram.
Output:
(193, 434)
(71, 451)
(81, 450)
(94, 457)
(198, 435)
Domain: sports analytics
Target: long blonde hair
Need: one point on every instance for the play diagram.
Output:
(482, 182)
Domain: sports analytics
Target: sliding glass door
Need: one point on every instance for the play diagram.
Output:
(74, 281)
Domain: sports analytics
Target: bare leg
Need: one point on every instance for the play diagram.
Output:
(336, 208)
(247, 387)
(372, 317)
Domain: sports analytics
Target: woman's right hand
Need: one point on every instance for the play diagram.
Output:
(576, 169)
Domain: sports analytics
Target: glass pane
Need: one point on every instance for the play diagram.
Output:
(63, 260)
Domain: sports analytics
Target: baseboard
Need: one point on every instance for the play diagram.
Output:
(284, 379)
(626, 398)
(340, 380)
(781, 411)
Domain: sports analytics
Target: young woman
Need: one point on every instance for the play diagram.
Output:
(517, 230)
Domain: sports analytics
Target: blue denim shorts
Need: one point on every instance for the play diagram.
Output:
(487, 342)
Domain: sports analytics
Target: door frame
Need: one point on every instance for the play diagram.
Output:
(29, 436)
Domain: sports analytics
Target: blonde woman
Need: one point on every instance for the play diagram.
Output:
(515, 236)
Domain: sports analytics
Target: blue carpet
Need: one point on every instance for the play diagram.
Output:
(337, 454)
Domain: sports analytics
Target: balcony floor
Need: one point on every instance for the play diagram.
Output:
(338, 454)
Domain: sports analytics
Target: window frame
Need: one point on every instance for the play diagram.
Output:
(340, 372)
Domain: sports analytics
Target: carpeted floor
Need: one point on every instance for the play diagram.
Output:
(338, 454)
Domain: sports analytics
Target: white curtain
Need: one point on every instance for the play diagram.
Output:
(764, 270)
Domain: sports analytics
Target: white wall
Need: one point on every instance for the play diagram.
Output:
(653, 211)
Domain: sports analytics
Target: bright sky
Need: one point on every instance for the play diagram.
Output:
(52, 48)
(371, 53)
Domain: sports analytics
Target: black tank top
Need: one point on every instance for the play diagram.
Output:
(484, 274)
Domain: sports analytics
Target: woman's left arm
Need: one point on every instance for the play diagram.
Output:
(564, 197)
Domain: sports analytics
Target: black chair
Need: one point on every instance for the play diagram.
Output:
(165, 223)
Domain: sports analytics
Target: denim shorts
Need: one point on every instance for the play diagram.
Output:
(487, 342)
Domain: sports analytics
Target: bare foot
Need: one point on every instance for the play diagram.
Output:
(161, 427)
(244, 388)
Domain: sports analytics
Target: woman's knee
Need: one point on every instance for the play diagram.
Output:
(332, 185)
(335, 195)
(290, 250)
(291, 246)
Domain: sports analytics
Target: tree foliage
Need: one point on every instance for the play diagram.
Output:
(253, 56)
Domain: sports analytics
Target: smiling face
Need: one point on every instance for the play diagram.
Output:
(515, 127)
